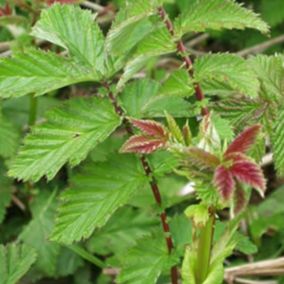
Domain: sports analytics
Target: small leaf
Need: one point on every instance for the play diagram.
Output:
(187, 135)
(224, 181)
(150, 127)
(244, 140)
(15, 261)
(174, 129)
(202, 158)
(199, 214)
(250, 173)
(142, 144)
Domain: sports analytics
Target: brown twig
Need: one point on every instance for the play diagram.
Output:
(181, 49)
(153, 183)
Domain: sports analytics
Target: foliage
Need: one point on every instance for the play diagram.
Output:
(126, 158)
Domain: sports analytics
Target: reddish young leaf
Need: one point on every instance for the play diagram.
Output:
(250, 173)
(202, 158)
(224, 181)
(150, 127)
(6, 10)
(239, 198)
(142, 144)
(244, 140)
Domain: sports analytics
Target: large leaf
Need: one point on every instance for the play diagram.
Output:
(15, 260)
(219, 73)
(141, 99)
(217, 15)
(145, 263)
(75, 30)
(95, 195)
(39, 72)
(68, 135)
(36, 233)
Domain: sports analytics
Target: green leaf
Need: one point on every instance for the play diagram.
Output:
(270, 71)
(140, 99)
(219, 73)
(245, 245)
(75, 30)
(69, 134)
(188, 266)
(39, 72)
(5, 192)
(177, 84)
(278, 142)
(146, 262)
(37, 232)
(9, 138)
(216, 15)
(223, 128)
(122, 231)
(95, 195)
(199, 214)
(15, 261)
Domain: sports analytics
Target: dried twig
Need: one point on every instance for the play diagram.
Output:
(262, 46)
(93, 6)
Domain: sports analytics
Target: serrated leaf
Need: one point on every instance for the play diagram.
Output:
(141, 99)
(244, 141)
(223, 127)
(177, 84)
(75, 30)
(174, 129)
(216, 15)
(144, 264)
(37, 232)
(270, 71)
(68, 135)
(95, 195)
(224, 181)
(150, 127)
(9, 138)
(219, 73)
(38, 72)
(15, 261)
(277, 142)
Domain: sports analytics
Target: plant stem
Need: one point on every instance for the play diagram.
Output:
(181, 49)
(153, 183)
(33, 110)
(204, 250)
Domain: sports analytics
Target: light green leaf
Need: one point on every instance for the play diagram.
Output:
(15, 261)
(69, 134)
(278, 142)
(219, 73)
(178, 84)
(75, 30)
(216, 15)
(140, 99)
(188, 266)
(199, 214)
(95, 195)
(36, 233)
(223, 127)
(144, 264)
(270, 71)
(39, 72)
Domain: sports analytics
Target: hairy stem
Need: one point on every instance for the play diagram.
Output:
(204, 250)
(32, 110)
(153, 184)
(181, 49)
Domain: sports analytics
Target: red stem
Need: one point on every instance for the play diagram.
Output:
(181, 49)
(153, 184)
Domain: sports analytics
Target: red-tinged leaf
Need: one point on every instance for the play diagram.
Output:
(239, 199)
(244, 140)
(150, 127)
(224, 181)
(202, 158)
(142, 144)
(250, 173)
